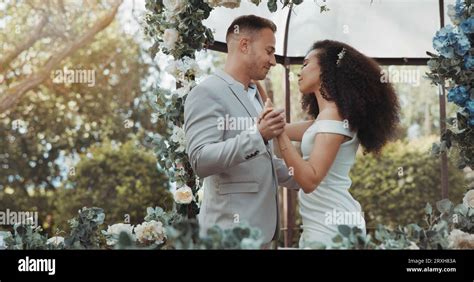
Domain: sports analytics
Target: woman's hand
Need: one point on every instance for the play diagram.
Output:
(267, 109)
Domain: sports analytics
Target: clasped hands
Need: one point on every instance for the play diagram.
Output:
(271, 122)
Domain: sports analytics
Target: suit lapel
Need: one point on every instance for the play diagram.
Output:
(241, 95)
(239, 92)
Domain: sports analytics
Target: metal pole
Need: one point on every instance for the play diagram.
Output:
(442, 120)
(289, 196)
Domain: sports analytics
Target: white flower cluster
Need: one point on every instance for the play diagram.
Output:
(183, 68)
(150, 232)
(179, 138)
(173, 8)
(147, 232)
(113, 232)
(460, 240)
(184, 89)
(55, 241)
(468, 199)
(223, 3)
(170, 38)
(183, 195)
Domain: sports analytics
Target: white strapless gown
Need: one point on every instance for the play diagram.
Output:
(330, 204)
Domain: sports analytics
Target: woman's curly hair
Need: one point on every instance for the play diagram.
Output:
(354, 84)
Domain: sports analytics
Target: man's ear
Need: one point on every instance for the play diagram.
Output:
(244, 45)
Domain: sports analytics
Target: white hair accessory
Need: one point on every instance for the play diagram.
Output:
(340, 56)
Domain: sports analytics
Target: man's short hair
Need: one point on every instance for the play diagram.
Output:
(249, 23)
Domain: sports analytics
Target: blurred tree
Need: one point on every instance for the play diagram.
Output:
(57, 119)
(52, 30)
(394, 188)
(121, 179)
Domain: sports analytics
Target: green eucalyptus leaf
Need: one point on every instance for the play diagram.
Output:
(344, 230)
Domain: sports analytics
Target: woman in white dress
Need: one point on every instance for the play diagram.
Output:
(343, 91)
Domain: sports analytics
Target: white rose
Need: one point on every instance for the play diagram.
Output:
(185, 89)
(179, 137)
(460, 240)
(150, 232)
(175, 69)
(468, 199)
(113, 232)
(183, 195)
(171, 68)
(180, 68)
(189, 64)
(56, 241)
(174, 6)
(170, 37)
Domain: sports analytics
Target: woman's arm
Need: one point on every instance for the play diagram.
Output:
(310, 173)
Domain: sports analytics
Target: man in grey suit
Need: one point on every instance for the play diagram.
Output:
(227, 147)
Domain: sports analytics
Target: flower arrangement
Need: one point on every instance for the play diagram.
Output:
(159, 230)
(454, 65)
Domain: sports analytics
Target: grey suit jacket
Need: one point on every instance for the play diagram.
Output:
(239, 172)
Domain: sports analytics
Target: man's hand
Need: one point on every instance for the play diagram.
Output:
(271, 123)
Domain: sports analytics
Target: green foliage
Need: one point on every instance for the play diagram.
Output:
(393, 188)
(434, 234)
(158, 214)
(185, 235)
(194, 35)
(25, 237)
(181, 233)
(85, 229)
(186, 22)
